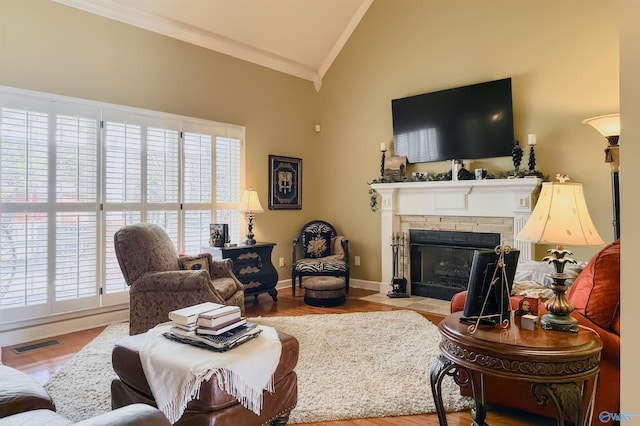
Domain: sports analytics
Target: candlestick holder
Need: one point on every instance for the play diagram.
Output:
(382, 162)
(532, 159)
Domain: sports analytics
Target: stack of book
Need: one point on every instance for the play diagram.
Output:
(211, 325)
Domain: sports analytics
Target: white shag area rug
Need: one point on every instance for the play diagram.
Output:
(357, 365)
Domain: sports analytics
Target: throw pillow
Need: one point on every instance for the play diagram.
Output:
(195, 263)
(317, 244)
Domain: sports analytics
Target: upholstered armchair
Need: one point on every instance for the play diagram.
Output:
(319, 251)
(161, 281)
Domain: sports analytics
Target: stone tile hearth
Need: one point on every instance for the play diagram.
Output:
(417, 303)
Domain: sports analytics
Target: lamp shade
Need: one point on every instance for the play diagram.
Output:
(607, 125)
(250, 202)
(561, 217)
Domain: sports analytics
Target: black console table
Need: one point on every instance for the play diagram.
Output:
(252, 265)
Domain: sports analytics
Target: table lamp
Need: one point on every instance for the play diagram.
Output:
(560, 217)
(609, 127)
(250, 205)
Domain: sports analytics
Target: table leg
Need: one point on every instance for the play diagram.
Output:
(567, 399)
(444, 367)
(273, 293)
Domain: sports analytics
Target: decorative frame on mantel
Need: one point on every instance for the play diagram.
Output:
(285, 183)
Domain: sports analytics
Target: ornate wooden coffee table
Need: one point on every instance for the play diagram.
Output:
(562, 367)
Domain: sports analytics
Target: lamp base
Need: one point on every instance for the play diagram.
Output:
(559, 308)
(559, 323)
(249, 240)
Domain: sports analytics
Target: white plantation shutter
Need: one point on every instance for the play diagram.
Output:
(23, 259)
(76, 255)
(24, 163)
(163, 161)
(24, 226)
(73, 172)
(123, 162)
(76, 159)
(198, 189)
(228, 156)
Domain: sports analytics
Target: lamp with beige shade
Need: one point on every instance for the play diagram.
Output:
(250, 205)
(560, 217)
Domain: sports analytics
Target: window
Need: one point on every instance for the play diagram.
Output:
(73, 172)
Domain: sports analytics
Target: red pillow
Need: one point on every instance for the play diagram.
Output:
(596, 291)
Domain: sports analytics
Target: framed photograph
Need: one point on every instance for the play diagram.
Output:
(285, 183)
(527, 306)
(395, 167)
(218, 234)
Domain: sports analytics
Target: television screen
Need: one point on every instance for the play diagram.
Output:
(486, 299)
(463, 123)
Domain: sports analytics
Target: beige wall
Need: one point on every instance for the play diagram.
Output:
(50, 47)
(562, 57)
(629, 176)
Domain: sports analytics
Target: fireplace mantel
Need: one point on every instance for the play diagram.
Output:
(495, 198)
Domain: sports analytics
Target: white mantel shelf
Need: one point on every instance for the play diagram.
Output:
(512, 198)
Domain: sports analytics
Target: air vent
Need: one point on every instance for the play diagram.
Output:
(26, 348)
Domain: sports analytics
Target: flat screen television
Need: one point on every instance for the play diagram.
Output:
(463, 123)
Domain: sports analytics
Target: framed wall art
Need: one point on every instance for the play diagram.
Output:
(285, 183)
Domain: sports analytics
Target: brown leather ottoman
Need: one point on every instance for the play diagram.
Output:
(213, 406)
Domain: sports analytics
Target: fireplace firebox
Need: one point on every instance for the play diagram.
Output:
(441, 260)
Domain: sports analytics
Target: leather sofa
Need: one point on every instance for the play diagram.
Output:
(595, 295)
(23, 401)
(213, 406)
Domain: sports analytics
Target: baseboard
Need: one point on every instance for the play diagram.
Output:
(353, 283)
(33, 332)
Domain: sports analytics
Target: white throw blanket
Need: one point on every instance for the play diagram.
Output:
(175, 370)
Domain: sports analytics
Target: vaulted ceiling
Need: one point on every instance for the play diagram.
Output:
(297, 37)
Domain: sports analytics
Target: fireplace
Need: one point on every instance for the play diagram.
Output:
(441, 260)
(500, 206)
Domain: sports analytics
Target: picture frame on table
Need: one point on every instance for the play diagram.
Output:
(285, 183)
(218, 234)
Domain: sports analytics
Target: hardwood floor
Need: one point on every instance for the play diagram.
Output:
(43, 362)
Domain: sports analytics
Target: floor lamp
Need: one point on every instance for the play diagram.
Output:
(609, 127)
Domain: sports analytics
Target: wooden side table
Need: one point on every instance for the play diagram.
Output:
(561, 367)
(252, 266)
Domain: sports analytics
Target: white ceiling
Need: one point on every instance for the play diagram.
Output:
(297, 37)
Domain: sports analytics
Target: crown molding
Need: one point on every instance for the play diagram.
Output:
(199, 37)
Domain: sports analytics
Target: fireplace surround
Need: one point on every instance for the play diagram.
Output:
(500, 206)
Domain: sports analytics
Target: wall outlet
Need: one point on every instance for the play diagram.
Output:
(281, 262)
(356, 260)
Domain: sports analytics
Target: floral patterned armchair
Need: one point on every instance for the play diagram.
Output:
(161, 281)
(319, 251)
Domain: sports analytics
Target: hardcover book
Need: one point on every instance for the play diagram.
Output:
(218, 323)
(222, 342)
(189, 315)
(223, 329)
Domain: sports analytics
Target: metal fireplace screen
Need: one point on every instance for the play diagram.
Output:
(441, 260)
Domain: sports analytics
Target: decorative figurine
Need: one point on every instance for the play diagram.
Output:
(531, 141)
(516, 155)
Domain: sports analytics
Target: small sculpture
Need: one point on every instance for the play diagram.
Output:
(532, 159)
(516, 155)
